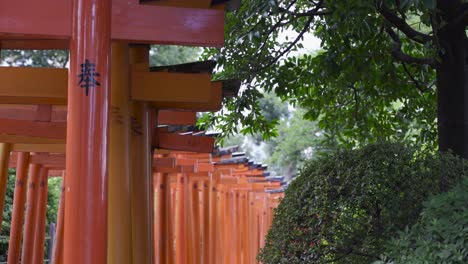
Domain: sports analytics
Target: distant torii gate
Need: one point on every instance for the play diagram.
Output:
(87, 28)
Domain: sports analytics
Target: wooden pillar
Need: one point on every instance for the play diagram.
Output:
(19, 203)
(195, 221)
(235, 256)
(160, 225)
(180, 228)
(173, 220)
(40, 230)
(226, 224)
(252, 227)
(57, 252)
(188, 221)
(141, 171)
(120, 211)
(245, 227)
(240, 225)
(170, 220)
(5, 149)
(263, 219)
(213, 220)
(206, 222)
(85, 233)
(31, 211)
(221, 223)
(256, 233)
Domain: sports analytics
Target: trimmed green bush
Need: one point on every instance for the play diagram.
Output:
(440, 236)
(345, 206)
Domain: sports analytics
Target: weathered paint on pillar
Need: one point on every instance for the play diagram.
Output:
(159, 218)
(141, 171)
(222, 224)
(194, 221)
(5, 149)
(40, 230)
(120, 211)
(263, 219)
(234, 227)
(31, 211)
(189, 256)
(19, 203)
(180, 227)
(57, 252)
(245, 227)
(85, 229)
(206, 221)
(213, 233)
(169, 220)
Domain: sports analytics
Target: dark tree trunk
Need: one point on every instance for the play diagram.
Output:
(452, 84)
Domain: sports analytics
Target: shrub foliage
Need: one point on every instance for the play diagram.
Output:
(344, 207)
(440, 236)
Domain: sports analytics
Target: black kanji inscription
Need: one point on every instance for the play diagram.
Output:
(87, 76)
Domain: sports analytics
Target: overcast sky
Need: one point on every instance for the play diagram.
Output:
(310, 42)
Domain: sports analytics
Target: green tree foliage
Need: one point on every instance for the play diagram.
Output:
(53, 197)
(35, 58)
(375, 78)
(168, 55)
(296, 139)
(7, 211)
(344, 206)
(159, 55)
(440, 236)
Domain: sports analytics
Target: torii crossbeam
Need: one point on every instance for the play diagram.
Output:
(49, 23)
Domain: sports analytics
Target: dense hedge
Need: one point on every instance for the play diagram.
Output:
(345, 206)
(440, 236)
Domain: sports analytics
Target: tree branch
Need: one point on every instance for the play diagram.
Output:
(65, 62)
(313, 12)
(278, 24)
(400, 11)
(403, 57)
(259, 24)
(401, 24)
(290, 46)
(415, 82)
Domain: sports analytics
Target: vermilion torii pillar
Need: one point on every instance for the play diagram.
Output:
(41, 211)
(5, 150)
(19, 203)
(29, 223)
(85, 234)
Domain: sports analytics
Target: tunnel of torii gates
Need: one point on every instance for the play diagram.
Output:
(134, 191)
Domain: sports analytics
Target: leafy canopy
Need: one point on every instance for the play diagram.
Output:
(297, 139)
(374, 78)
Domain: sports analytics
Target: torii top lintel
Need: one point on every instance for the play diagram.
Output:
(50, 22)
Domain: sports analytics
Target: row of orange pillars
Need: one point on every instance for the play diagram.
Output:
(98, 122)
(212, 207)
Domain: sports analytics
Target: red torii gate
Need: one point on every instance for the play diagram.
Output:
(242, 199)
(56, 161)
(87, 28)
(214, 208)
